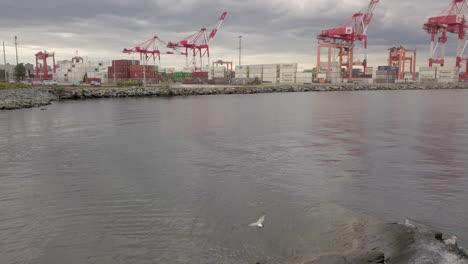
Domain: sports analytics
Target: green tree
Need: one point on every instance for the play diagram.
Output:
(20, 72)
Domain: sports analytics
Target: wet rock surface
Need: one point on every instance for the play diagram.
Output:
(397, 244)
(83, 93)
(25, 98)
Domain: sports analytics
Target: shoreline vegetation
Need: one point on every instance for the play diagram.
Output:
(19, 97)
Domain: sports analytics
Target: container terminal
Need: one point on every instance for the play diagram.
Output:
(341, 58)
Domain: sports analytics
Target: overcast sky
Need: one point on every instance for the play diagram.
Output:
(273, 31)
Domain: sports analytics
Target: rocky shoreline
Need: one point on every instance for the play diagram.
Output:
(33, 97)
(25, 98)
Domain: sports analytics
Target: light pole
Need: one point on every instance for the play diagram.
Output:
(4, 62)
(240, 50)
(16, 47)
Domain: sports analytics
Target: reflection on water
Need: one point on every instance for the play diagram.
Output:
(178, 180)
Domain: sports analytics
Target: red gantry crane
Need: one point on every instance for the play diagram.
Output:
(451, 20)
(77, 58)
(400, 57)
(150, 49)
(198, 43)
(45, 70)
(342, 39)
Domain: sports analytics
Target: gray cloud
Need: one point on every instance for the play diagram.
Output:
(273, 30)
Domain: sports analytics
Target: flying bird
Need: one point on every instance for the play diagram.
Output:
(259, 223)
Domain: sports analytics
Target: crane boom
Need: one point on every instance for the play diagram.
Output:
(353, 29)
(215, 29)
(198, 42)
(368, 15)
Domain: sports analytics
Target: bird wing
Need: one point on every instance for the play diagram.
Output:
(261, 220)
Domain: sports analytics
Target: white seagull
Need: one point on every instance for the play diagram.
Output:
(259, 223)
(451, 242)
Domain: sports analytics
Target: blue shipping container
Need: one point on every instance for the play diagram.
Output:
(383, 68)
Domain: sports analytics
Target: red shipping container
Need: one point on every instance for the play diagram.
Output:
(200, 74)
(136, 75)
(136, 68)
(118, 75)
(121, 63)
(150, 68)
(94, 79)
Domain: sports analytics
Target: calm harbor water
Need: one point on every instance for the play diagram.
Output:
(177, 180)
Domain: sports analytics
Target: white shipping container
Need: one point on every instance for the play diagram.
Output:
(269, 75)
(243, 67)
(288, 70)
(322, 75)
(332, 64)
(288, 66)
(427, 75)
(422, 69)
(446, 76)
(270, 70)
(188, 69)
(255, 67)
(303, 75)
(447, 80)
(255, 75)
(287, 74)
(270, 66)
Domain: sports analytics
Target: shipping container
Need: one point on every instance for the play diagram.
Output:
(270, 66)
(241, 68)
(200, 74)
(265, 71)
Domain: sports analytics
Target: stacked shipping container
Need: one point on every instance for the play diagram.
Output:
(427, 74)
(304, 77)
(200, 77)
(139, 73)
(448, 75)
(270, 73)
(255, 71)
(242, 71)
(69, 72)
(287, 73)
(131, 70)
(119, 71)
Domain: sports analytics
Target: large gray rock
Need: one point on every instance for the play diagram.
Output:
(25, 97)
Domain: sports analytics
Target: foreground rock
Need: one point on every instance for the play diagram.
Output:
(25, 98)
(397, 244)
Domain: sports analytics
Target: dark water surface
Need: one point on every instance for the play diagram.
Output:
(177, 180)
